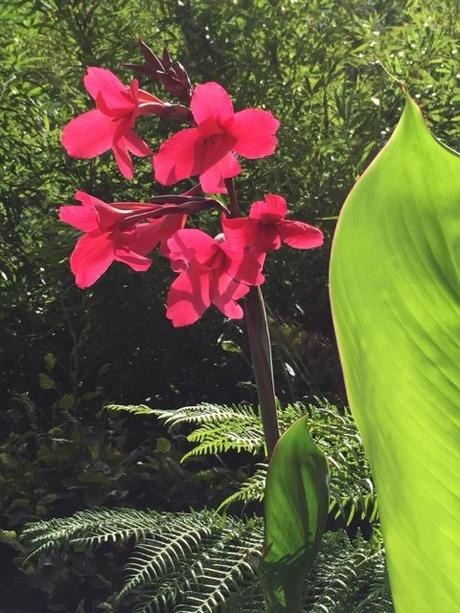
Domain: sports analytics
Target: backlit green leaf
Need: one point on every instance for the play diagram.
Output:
(396, 301)
(296, 506)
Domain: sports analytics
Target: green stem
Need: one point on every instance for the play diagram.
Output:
(259, 343)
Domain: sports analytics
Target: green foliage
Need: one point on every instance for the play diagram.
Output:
(396, 300)
(186, 560)
(251, 490)
(222, 428)
(315, 65)
(295, 514)
(201, 561)
(138, 409)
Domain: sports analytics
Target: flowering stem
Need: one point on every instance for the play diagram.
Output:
(259, 343)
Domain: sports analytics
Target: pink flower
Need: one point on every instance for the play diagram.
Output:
(110, 125)
(266, 228)
(209, 273)
(111, 236)
(208, 149)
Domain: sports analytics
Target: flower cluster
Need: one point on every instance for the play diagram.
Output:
(218, 271)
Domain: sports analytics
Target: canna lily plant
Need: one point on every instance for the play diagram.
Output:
(224, 271)
(395, 296)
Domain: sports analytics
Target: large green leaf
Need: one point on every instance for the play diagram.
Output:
(395, 294)
(296, 505)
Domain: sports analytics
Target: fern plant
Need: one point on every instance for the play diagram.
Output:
(201, 562)
(221, 428)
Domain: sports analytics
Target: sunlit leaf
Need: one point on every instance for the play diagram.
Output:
(296, 507)
(396, 300)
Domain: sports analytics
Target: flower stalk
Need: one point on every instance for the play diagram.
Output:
(260, 347)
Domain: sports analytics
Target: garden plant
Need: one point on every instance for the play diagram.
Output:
(197, 190)
(224, 269)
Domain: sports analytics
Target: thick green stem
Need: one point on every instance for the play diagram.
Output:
(259, 343)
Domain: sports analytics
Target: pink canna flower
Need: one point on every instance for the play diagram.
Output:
(266, 228)
(110, 125)
(110, 235)
(209, 273)
(208, 149)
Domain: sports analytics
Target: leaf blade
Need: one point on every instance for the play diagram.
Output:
(394, 282)
(296, 508)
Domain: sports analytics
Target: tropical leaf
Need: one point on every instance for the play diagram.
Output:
(296, 509)
(395, 289)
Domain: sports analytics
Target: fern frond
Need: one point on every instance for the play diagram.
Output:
(252, 490)
(347, 576)
(226, 563)
(334, 431)
(134, 409)
(230, 565)
(154, 557)
(233, 435)
(223, 428)
(201, 562)
(91, 528)
(206, 412)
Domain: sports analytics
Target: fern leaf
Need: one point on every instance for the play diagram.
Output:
(91, 528)
(135, 409)
(333, 430)
(233, 435)
(201, 562)
(206, 413)
(154, 557)
(223, 428)
(231, 565)
(252, 490)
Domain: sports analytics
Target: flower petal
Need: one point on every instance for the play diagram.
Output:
(300, 235)
(124, 144)
(85, 217)
(102, 82)
(273, 208)
(148, 235)
(88, 135)
(179, 157)
(123, 159)
(240, 232)
(137, 262)
(212, 180)
(125, 107)
(191, 245)
(88, 200)
(188, 297)
(136, 145)
(171, 223)
(254, 132)
(224, 293)
(246, 232)
(211, 100)
(81, 217)
(91, 258)
(244, 265)
(145, 237)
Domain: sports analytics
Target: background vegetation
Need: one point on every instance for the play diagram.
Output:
(65, 353)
